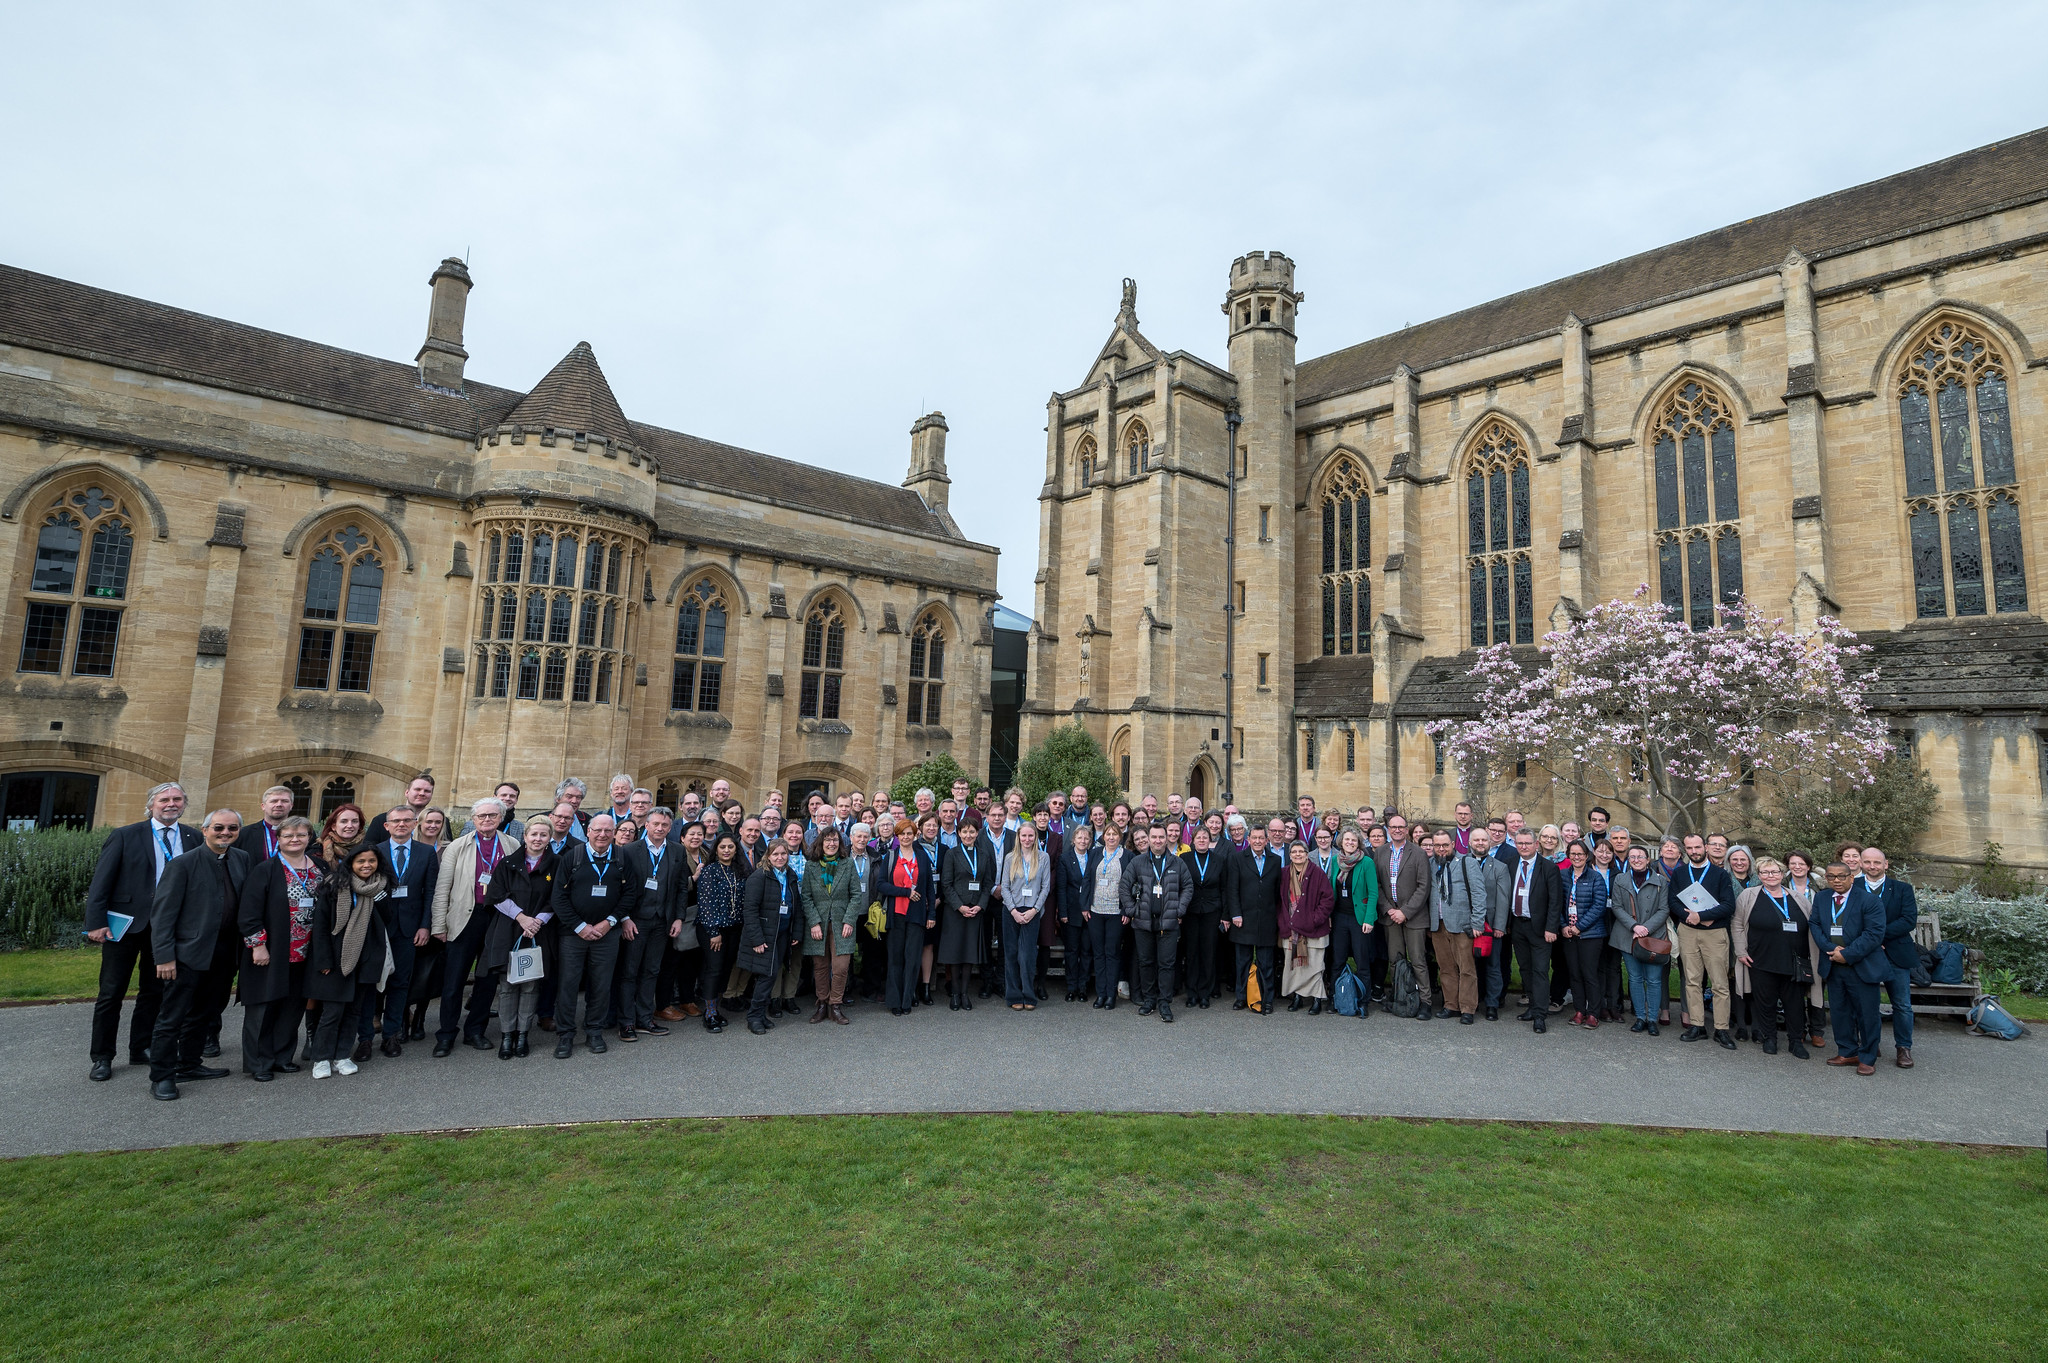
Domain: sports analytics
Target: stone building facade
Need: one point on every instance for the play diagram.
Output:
(1839, 409)
(240, 558)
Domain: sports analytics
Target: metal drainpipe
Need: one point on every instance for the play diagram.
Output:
(1229, 782)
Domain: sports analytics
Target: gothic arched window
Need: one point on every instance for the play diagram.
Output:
(344, 587)
(824, 662)
(699, 681)
(1497, 538)
(1085, 469)
(542, 599)
(92, 525)
(1966, 490)
(1137, 447)
(927, 670)
(1347, 558)
(1699, 541)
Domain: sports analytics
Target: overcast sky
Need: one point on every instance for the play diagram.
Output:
(797, 228)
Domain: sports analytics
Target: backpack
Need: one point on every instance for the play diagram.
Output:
(1404, 1000)
(1988, 1019)
(1350, 994)
(1949, 958)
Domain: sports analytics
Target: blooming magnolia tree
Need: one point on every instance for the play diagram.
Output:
(1634, 708)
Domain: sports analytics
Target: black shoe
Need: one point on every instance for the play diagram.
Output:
(359, 1054)
(1526, 1015)
(1466, 1019)
(953, 1003)
(760, 1028)
(1145, 1010)
(201, 1072)
(966, 1004)
(1315, 1007)
(984, 990)
(1798, 1049)
(1096, 1004)
(1240, 1005)
(1294, 1004)
(596, 1043)
(418, 1030)
(1442, 1013)
(1493, 1015)
(1540, 1028)
(1111, 1005)
(476, 1042)
(212, 1048)
(1651, 1029)
(261, 1076)
(1693, 1034)
(628, 1034)
(289, 1066)
(564, 1045)
(1042, 995)
(164, 1089)
(775, 1008)
(1771, 1045)
(504, 1045)
(655, 1029)
(519, 1045)
(442, 1049)
(1424, 1015)
(893, 1012)
(1203, 1004)
(391, 1048)
(1742, 1034)
(1165, 1011)
(102, 1071)
(1639, 1026)
(1724, 1041)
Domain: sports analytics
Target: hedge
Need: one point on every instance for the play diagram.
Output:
(2012, 933)
(45, 874)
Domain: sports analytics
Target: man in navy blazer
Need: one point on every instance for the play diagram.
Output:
(1900, 912)
(414, 869)
(1850, 930)
(131, 862)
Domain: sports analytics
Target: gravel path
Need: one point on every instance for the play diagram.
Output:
(1063, 1057)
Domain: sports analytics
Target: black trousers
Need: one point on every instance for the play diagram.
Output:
(1267, 959)
(1074, 948)
(1156, 949)
(1105, 940)
(118, 963)
(714, 964)
(778, 953)
(1770, 989)
(905, 939)
(639, 965)
(1347, 940)
(1532, 954)
(269, 1030)
(676, 982)
(180, 1030)
(1582, 961)
(584, 968)
(457, 963)
(1200, 938)
(219, 985)
(397, 992)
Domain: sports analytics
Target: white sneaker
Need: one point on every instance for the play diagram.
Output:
(321, 1069)
(344, 1066)
(1123, 989)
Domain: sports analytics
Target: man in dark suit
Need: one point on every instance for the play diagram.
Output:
(131, 863)
(1850, 929)
(1404, 890)
(259, 839)
(196, 904)
(408, 911)
(419, 793)
(660, 903)
(590, 903)
(1535, 895)
(1901, 912)
(1255, 918)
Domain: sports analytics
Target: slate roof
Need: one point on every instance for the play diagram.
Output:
(61, 317)
(1969, 185)
(1443, 687)
(1333, 688)
(1991, 663)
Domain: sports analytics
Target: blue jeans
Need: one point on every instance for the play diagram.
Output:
(1645, 986)
(1899, 984)
(1020, 960)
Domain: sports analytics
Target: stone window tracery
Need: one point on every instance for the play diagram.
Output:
(699, 680)
(84, 549)
(1497, 537)
(927, 670)
(1086, 468)
(1137, 448)
(549, 612)
(1347, 561)
(341, 611)
(1699, 537)
(824, 662)
(1962, 483)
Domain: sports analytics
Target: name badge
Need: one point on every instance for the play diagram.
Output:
(483, 881)
(402, 892)
(1158, 891)
(599, 891)
(1835, 930)
(1791, 927)
(974, 887)
(653, 883)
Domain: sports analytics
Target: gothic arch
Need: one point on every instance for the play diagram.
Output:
(1710, 375)
(1319, 481)
(1468, 438)
(283, 759)
(343, 511)
(101, 756)
(958, 627)
(849, 605)
(839, 774)
(35, 482)
(726, 581)
(1893, 355)
(683, 770)
(1138, 429)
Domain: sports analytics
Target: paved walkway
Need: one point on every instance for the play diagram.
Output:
(1063, 1057)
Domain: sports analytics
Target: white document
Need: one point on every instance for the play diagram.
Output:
(1698, 898)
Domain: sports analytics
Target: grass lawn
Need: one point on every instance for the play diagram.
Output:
(52, 973)
(1025, 1237)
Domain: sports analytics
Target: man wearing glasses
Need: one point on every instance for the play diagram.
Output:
(194, 912)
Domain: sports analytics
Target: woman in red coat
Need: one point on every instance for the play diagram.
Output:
(1306, 900)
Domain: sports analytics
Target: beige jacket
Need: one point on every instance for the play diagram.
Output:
(455, 891)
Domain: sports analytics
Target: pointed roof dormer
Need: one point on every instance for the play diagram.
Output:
(574, 398)
(1126, 347)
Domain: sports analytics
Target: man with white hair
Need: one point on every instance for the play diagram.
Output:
(132, 861)
(462, 914)
(590, 893)
(622, 797)
(573, 792)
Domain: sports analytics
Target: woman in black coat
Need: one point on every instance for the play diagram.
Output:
(967, 880)
(1209, 868)
(527, 882)
(1073, 874)
(771, 925)
(345, 951)
(276, 922)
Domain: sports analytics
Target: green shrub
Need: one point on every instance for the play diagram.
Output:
(1998, 880)
(1892, 812)
(2012, 933)
(938, 773)
(1069, 757)
(44, 875)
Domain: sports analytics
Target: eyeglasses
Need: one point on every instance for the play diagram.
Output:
(224, 828)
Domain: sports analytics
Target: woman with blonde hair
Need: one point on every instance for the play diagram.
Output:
(1027, 873)
(1774, 956)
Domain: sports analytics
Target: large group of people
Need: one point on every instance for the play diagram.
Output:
(588, 924)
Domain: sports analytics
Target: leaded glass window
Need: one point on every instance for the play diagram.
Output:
(345, 586)
(699, 679)
(1699, 540)
(1347, 560)
(824, 662)
(927, 670)
(86, 529)
(1955, 422)
(1497, 538)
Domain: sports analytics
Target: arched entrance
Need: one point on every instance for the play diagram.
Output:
(1200, 777)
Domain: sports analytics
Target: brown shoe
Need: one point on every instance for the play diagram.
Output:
(547, 1024)
(671, 1014)
(1844, 1060)
(1862, 1068)
(1816, 1041)
(818, 1013)
(692, 1010)
(1904, 1058)
(836, 1014)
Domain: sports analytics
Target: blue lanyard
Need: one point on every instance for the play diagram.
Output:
(402, 854)
(1779, 903)
(1201, 866)
(604, 870)
(656, 857)
(973, 861)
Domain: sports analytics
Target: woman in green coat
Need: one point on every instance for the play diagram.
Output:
(832, 902)
(1354, 875)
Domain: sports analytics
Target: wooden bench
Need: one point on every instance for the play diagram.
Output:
(1944, 1000)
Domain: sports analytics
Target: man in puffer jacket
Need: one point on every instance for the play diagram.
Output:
(1156, 891)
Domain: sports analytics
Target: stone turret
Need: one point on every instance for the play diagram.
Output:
(442, 357)
(927, 476)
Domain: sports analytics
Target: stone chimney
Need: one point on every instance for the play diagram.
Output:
(442, 357)
(928, 460)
